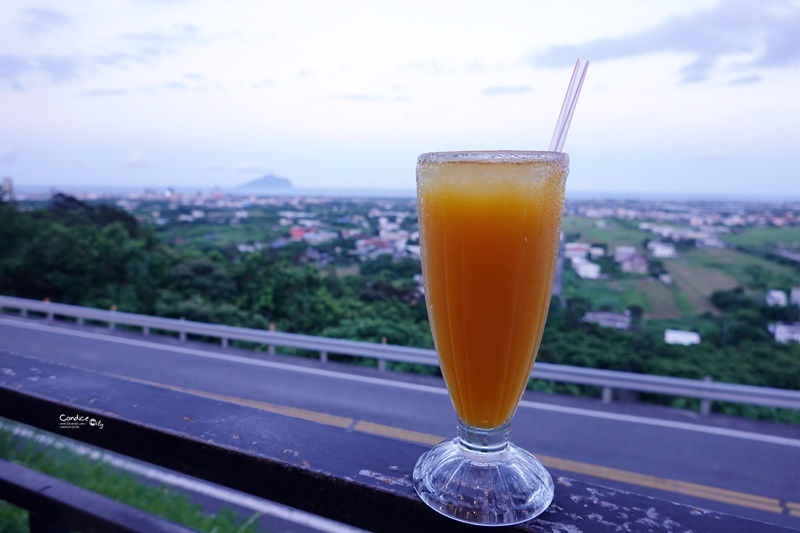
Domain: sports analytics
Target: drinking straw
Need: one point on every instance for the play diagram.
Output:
(568, 108)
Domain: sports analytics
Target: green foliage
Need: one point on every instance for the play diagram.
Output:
(80, 255)
(98, 256)
(736, 348)
(386, 267)
(94, 255)
(100, 477)
(380, 330)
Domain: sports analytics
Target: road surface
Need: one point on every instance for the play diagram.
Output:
(742, 467)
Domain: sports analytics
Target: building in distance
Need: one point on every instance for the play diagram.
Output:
(776, 298)
(685, 338)
(608, 319)
(784, 333)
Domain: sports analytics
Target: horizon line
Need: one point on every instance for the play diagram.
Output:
(395, 191)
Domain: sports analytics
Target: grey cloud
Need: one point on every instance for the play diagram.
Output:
(157, 43)
(59, 68)
(55, 68)
(13, 66)
(120, 92)
(39, 20)
(131, 49)
(167, 86)
(747, 79)
(768, 30)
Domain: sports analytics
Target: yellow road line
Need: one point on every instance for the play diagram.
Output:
(741, 499)
(313, 416)
(396, 433)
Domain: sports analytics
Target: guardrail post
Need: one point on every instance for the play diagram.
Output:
(608, 395)
(111, 324)
(224, 342)
(382, 362)
(271, 347)
(145, 330)
(705, 404)
(49, 312)
(323, 357)
(182, 332)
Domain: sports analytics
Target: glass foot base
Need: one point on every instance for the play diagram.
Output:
(495, 488)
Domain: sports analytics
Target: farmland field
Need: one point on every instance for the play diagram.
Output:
(205, 235)
(660, 299)
(696, 283)
(611, 232)
(738, 265)
(789, 237)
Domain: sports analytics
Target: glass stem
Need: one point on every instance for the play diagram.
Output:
(483, 444)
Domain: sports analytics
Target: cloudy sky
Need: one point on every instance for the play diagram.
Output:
(685, 96)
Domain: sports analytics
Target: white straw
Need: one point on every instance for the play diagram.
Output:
(568, 108)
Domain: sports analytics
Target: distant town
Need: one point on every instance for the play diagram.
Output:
(340, 231)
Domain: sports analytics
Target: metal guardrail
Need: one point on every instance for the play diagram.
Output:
(608, 380)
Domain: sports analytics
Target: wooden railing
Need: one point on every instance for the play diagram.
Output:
(350, 477)
(607, 380)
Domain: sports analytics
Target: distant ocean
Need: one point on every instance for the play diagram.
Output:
(125, 190)
(333, 192)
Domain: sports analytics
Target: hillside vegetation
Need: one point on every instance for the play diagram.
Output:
(100, 256)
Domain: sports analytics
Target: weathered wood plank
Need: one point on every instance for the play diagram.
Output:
(348, 476)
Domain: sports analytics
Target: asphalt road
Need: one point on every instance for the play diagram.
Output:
(742, 467)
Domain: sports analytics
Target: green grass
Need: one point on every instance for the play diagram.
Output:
(696, 282)
(609, 232)
(100, 477)
(758, 237)
(205, 235)
(657, 300)
(660, 298)
(632, 295)
(603, 294)
(736, 264)
(696, 274)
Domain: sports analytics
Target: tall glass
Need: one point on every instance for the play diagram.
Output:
(489, 227)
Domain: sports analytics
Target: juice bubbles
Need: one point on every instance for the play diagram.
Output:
(489, 232)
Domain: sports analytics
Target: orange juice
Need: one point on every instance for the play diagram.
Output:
(489, 232)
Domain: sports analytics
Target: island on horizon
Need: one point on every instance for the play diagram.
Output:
(270, 181)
